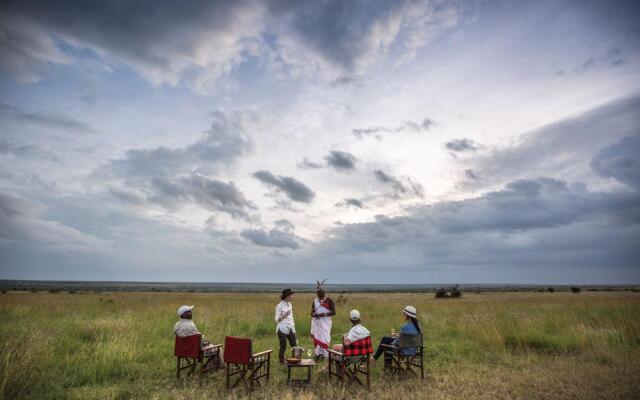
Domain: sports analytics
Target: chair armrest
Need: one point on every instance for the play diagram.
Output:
(390, 347)
(335, 353)
(262, 353)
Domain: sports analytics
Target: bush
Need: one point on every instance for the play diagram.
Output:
(456, 292)
(550, 290)
(442, 294)
(575, 289)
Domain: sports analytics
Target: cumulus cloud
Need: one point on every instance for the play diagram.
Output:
(350, 202)
(292, 188)
(341, 160)
(226, 140)
(196, 43)
(379, 131)
(462, 145)
(281, 236)
(401, 188)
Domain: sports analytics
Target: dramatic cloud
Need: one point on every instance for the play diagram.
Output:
(351, 202)
(620, 161)
(23, 223)
(526, 223)
(281, 236)
(562, 149)
(341, 160)
(408, 126)
(408, 188)
(9, 114)
(199, 42)
(462, 145)
(292, 188)
(226, 140)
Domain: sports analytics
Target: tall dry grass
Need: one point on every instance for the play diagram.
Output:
(119, 346)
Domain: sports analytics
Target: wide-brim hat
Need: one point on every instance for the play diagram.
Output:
(285, 293)
(410, 311)
(184, 309)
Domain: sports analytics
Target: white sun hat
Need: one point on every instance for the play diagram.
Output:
(354, 315)
(410, 311)
(184, 309)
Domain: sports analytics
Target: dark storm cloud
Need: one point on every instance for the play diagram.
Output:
(401, 189)
(620, 161)
(281, 236)
(350, 202)
(407, 126)
(211, 194)
(352, 34)
(272, 238)
(341, 160)
(538, 222)
(292, 188)
(225, 141)
(462, 145)
(10, 114)
(176, 39)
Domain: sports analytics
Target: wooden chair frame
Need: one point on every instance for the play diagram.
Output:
(348, 369)
(403, 365)
(249, 374)
(208, 357)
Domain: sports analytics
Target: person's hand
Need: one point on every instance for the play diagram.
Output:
(314, 315)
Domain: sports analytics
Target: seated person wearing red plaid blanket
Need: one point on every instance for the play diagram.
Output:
(357, 331)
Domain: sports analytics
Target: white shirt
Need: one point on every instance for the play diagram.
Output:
(285, 325)
(185, 327)
(358, 332)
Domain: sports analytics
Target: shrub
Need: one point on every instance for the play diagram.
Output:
(550, 290)
(442, 294)
(456, 292)
(575, 289)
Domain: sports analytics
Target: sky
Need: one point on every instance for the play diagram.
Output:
(294, 141)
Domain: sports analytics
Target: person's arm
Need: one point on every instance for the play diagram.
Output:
(278, 312)
(313, 310)
(332, 307)
(193, 329)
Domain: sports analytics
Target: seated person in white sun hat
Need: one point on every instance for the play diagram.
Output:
(357, 331)
(185, 327)
(411, 327)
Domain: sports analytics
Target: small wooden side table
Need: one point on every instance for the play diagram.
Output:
(300, 382)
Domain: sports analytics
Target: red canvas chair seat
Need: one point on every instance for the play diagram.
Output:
(188, 351)
(241, 362)
(188, 346)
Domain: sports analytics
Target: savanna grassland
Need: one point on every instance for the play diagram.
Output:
(497, 345)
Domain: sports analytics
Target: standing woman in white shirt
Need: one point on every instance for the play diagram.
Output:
(286, 328)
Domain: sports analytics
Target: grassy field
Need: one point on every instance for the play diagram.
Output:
(520, 345)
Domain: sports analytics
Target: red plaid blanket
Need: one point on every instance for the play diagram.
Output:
(358, 348)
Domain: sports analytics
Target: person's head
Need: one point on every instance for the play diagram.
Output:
(409, 312)
(320, 292)
(287, 294)
(354, 316)
(184, 312)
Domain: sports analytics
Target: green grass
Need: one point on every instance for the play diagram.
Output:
(520, 345)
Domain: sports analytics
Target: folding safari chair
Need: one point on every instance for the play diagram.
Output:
(189, 352)
(248, 367)
(353, 361)
(400, 364)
